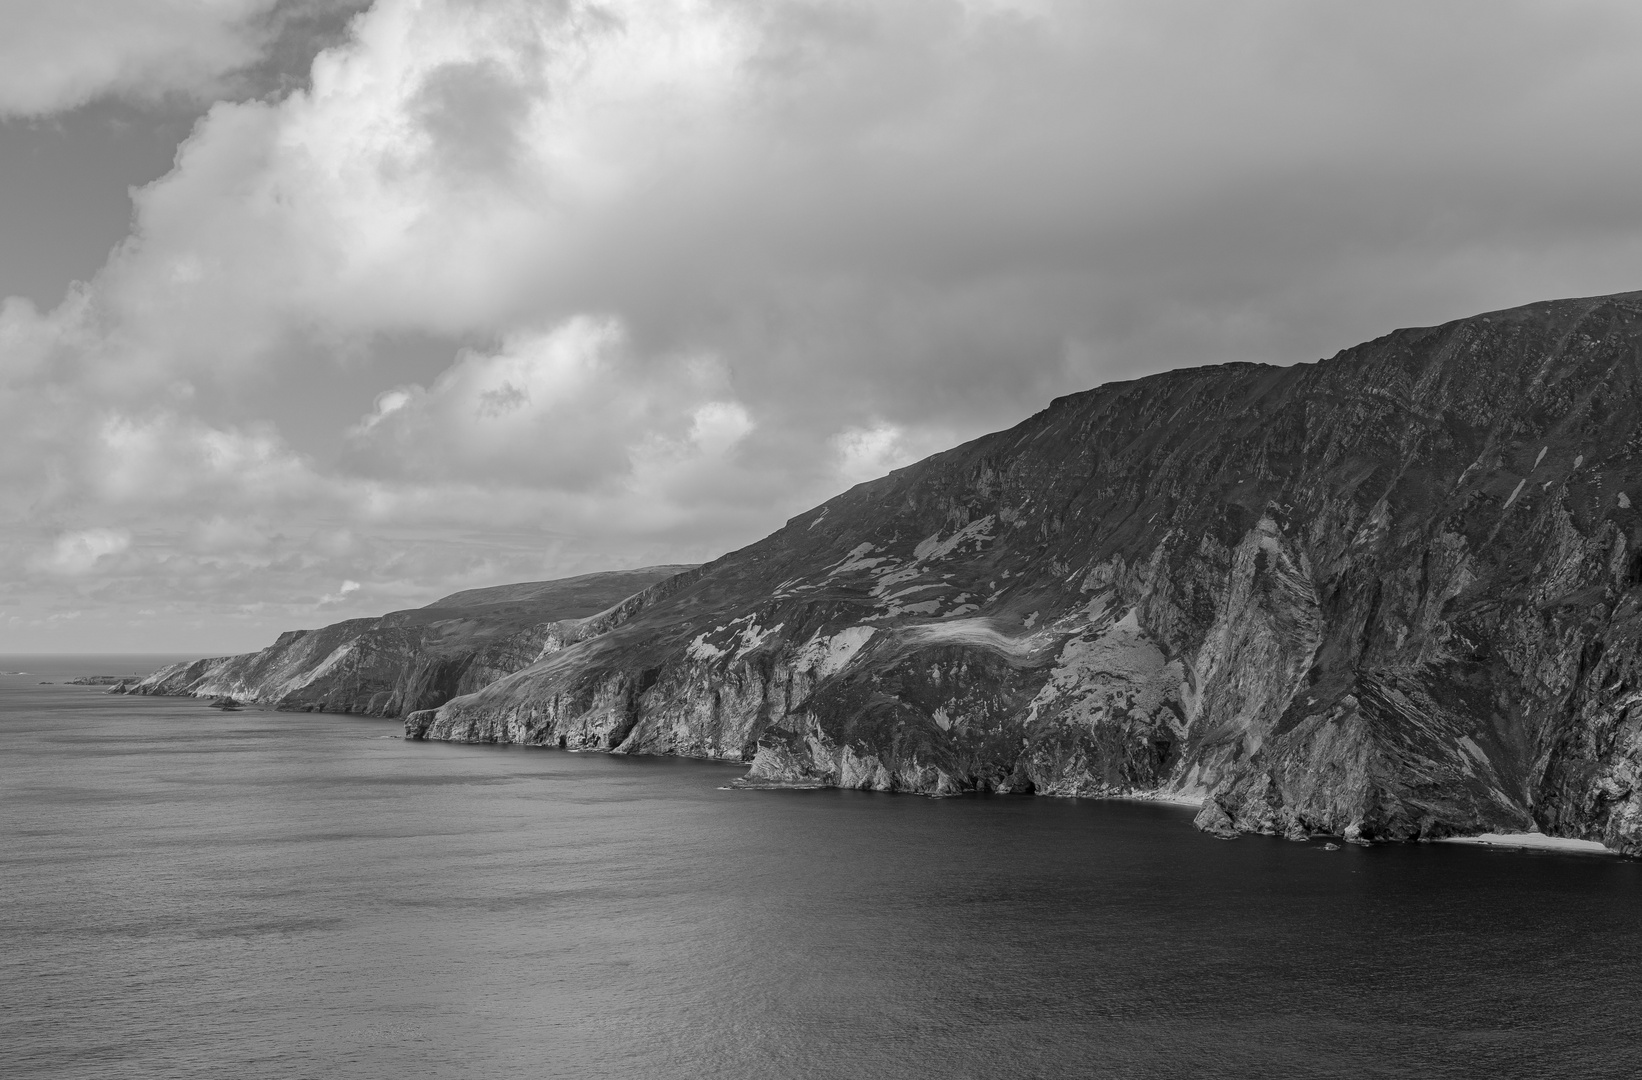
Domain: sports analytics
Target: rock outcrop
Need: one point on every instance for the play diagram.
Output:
(1390, 595)
(413, 659)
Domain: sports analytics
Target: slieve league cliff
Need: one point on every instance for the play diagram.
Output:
(1395, 594)
(413, 659)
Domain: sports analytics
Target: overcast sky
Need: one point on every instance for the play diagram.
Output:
(317, 309)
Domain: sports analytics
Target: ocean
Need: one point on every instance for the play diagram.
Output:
(187, 893)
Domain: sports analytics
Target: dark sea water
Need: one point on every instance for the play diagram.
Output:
(185, 893)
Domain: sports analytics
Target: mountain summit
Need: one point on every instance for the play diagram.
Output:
(1392, 595)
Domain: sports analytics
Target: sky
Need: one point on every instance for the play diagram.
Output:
(315, 309)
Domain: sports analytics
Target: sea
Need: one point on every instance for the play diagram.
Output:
(191, 893)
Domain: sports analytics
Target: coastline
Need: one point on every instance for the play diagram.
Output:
(1194, 802)
(1532, 841)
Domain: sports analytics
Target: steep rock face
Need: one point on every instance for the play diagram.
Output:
(413, 659)
(1394, 594)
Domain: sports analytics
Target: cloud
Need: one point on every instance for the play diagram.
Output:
(341, 594)
(64, 53)
(79, 552)
(866, 453)
(431, 176)
(164, 458)
(58, 55)
(677, 269)
(883, 195)
(572, 408)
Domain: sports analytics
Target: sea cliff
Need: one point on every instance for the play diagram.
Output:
(413, 659)
(1391, 595)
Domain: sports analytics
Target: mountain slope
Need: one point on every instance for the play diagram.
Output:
(412, 659)
(1393, 594)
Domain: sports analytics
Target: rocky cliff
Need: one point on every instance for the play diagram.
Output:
(413, 659)
(1391, 595)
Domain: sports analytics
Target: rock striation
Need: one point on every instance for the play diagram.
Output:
(1396, 594)
(413, 659)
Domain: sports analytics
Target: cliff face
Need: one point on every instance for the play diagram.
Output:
(1394, 594)
(413, 659)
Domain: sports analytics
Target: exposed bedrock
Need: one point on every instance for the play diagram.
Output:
(1390, 595)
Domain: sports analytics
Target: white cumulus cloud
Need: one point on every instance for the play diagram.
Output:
(79, 552)
(571, 408)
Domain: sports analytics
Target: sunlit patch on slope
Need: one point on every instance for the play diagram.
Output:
(824, 656)
(731, 642)
(932, 547)
(1117, 670)
(855, 561)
